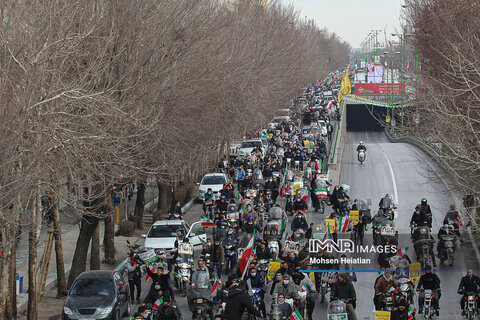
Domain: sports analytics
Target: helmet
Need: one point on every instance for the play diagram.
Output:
(250, 218)
(361, 142)
(222, 197)
(424, 201)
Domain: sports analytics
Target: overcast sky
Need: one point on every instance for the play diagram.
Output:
(352, 20)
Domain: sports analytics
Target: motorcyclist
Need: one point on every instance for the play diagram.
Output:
(208, 202)
(232, 239)
(425, 208)
(429, 281)
(361, 146)
(262, 252)
(443, 231)
(423, 233)
(400, 312)
(299, 222)
(248, 211)
(249, 226)
(228, 193)
(298, 157)
(217, 256)
(289, 290)
(341, 198)
(299, 204)
(469, 283)
(259, 200)
(382, 287)
(284, 308)
(419, 218)
(160, 284)
(304, 284)
(452, 217)
(272, 186)
(267, 172)
(168, 311)
(255, 280)
(237, 301)
(175, 212)
(343, 289)
(291, 259)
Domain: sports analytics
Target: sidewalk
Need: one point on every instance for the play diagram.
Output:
(70, 231)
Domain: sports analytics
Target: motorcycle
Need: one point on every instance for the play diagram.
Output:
(321, 193)
(326, 281)
(428, 309)
(230, 254)
(447, 252)
(262, 267)
(184, 272)
(388, 302)
(337, 310)
(344, 207)
(290, 201)
(424, 256)
(201, 306)
(361, 156)
(256, 298)
(471, 311)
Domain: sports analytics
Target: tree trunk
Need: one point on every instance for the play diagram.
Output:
(140, 205)
(95, 250)
(35, 226)
(11, 307)
(57, 232)
(89, 223)
(4, 285)
(109, 233)
(160, 196)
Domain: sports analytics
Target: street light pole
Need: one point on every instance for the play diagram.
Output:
(401, 36)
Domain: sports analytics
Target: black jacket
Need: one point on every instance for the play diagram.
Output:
(421, 219)
(171, 313)
(299, 224)
(236, 303)
(344, 291)
(429, 281)
(263, 254)
(399, 315)
(469, 284)
(159, 282)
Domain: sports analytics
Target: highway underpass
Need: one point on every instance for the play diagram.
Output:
(364, 117)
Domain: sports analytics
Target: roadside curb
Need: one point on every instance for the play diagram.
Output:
(435, 157)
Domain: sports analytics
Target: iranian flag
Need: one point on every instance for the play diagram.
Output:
(157, 303)
(321, 193)
(151, 270)
(410, 313)
(318, 164)
(367, 68)
(402, 251)
(391, 289)
(215, 288)
(206, 222)
(459, 218)
(344, 223)
(330, 104)
(247, 254)
(239, 197)
(304, 288)
(308, 174)
(408, 66)
(295, 315)
(385, 64)
(283, 189)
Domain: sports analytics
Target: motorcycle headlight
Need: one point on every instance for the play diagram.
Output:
(67, 311)
(471, 298)
(199, 300)
(104, 311)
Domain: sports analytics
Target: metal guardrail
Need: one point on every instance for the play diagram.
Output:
(337, 134)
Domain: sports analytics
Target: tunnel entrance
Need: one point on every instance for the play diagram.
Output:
(362, 117)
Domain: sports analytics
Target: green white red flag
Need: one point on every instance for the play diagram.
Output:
(321, 193)
(206, 222)
(295, 315)
(402, 251)
(157, 303)
(243, 263)
(344, 223)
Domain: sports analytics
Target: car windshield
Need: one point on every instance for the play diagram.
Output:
(91, 287)
(213, 180)
(251, 144)
(164, 231)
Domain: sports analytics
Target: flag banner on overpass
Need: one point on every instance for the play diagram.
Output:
(383, 88)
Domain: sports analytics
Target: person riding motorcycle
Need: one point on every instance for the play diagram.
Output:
(298, 157)
(255, 280)
(469, 283)
(284, 309)
(160, 283)
(443, 231)
(452, 217)
(382, 287)
(168, 311)
(343, 289)
(303, 283)
(249, 226)
(341, 197)
(423, 233)
(401, 312)
(175, 212)
(288, 289)
(425, 208)
(222, 204)
(237, 301)
(248, 211)
(299, 222)
(361, 146)
(208, 202)
(272, 186)
(429, 281)
(291, 259)
(299, 204)
(419, 218)
(262, 252)
(228, 193)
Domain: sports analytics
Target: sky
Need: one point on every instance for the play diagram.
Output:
(352, 20)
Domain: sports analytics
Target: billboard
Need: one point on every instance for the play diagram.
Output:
(383, 88)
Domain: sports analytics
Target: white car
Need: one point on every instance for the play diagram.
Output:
(163, 233)
(322, 127)
(215, 181)
(249, 145)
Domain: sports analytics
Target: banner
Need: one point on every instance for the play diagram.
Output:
(354, 216)
(330, 224)
(345, 88)
(292, 246)
(273, 266)
(185, 248)
(148, 256)
(382, 315)
(414, 271)
(383, 88)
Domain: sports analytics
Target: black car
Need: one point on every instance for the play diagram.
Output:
(99, 294)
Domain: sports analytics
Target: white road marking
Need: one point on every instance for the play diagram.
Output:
(395, 200)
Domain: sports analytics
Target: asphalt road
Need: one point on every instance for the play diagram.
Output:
(405, 172)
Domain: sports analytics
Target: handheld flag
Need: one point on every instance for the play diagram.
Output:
(402, 251)
(346, 87)
(318, 164)
(344, 223)
(157, 303)
(295, 315)
(206, 222)
(214, 288)
(151, 270)
(247, 254)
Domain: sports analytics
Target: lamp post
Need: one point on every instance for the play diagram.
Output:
(401, 36)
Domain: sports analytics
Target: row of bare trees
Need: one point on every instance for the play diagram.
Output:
(103, 92)
(447, 36)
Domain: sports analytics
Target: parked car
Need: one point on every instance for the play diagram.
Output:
(163, 233)
(215, 181)
(98, 294)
